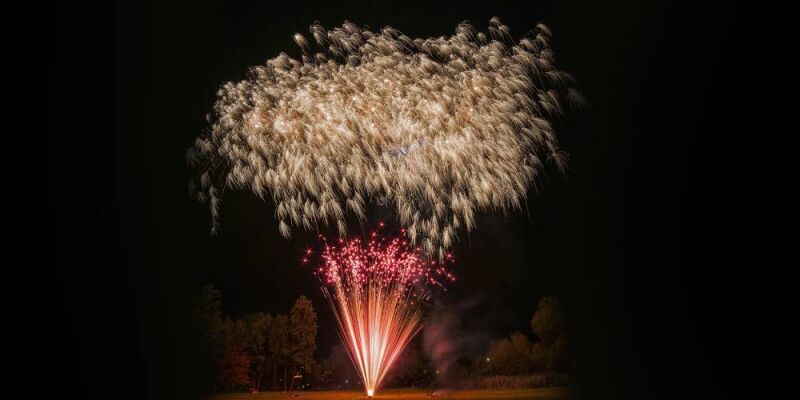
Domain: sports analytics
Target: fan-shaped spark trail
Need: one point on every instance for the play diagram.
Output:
(376, 289)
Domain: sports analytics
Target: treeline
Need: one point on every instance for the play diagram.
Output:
(518, 355)
(257, 351)
(277, 352)
(513, 362)
(441, 356)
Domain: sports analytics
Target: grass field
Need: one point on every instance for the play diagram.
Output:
(410, 394)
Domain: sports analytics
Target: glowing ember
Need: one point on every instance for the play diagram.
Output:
(376, 288)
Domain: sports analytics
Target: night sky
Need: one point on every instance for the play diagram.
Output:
(637, 239)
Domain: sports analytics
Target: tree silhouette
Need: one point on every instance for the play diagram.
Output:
(279, 349)
(549, 325)
(512, 356)
(302, 334)
(258, 326)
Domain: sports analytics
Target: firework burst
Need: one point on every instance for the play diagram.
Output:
(376, 288)
(437, 128)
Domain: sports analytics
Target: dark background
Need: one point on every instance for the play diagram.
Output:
(643, 240)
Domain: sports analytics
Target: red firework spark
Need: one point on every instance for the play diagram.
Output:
(376, 288)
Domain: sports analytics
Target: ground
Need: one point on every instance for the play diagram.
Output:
(410, 394)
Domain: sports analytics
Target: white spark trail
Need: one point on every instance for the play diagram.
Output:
(438, 128)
